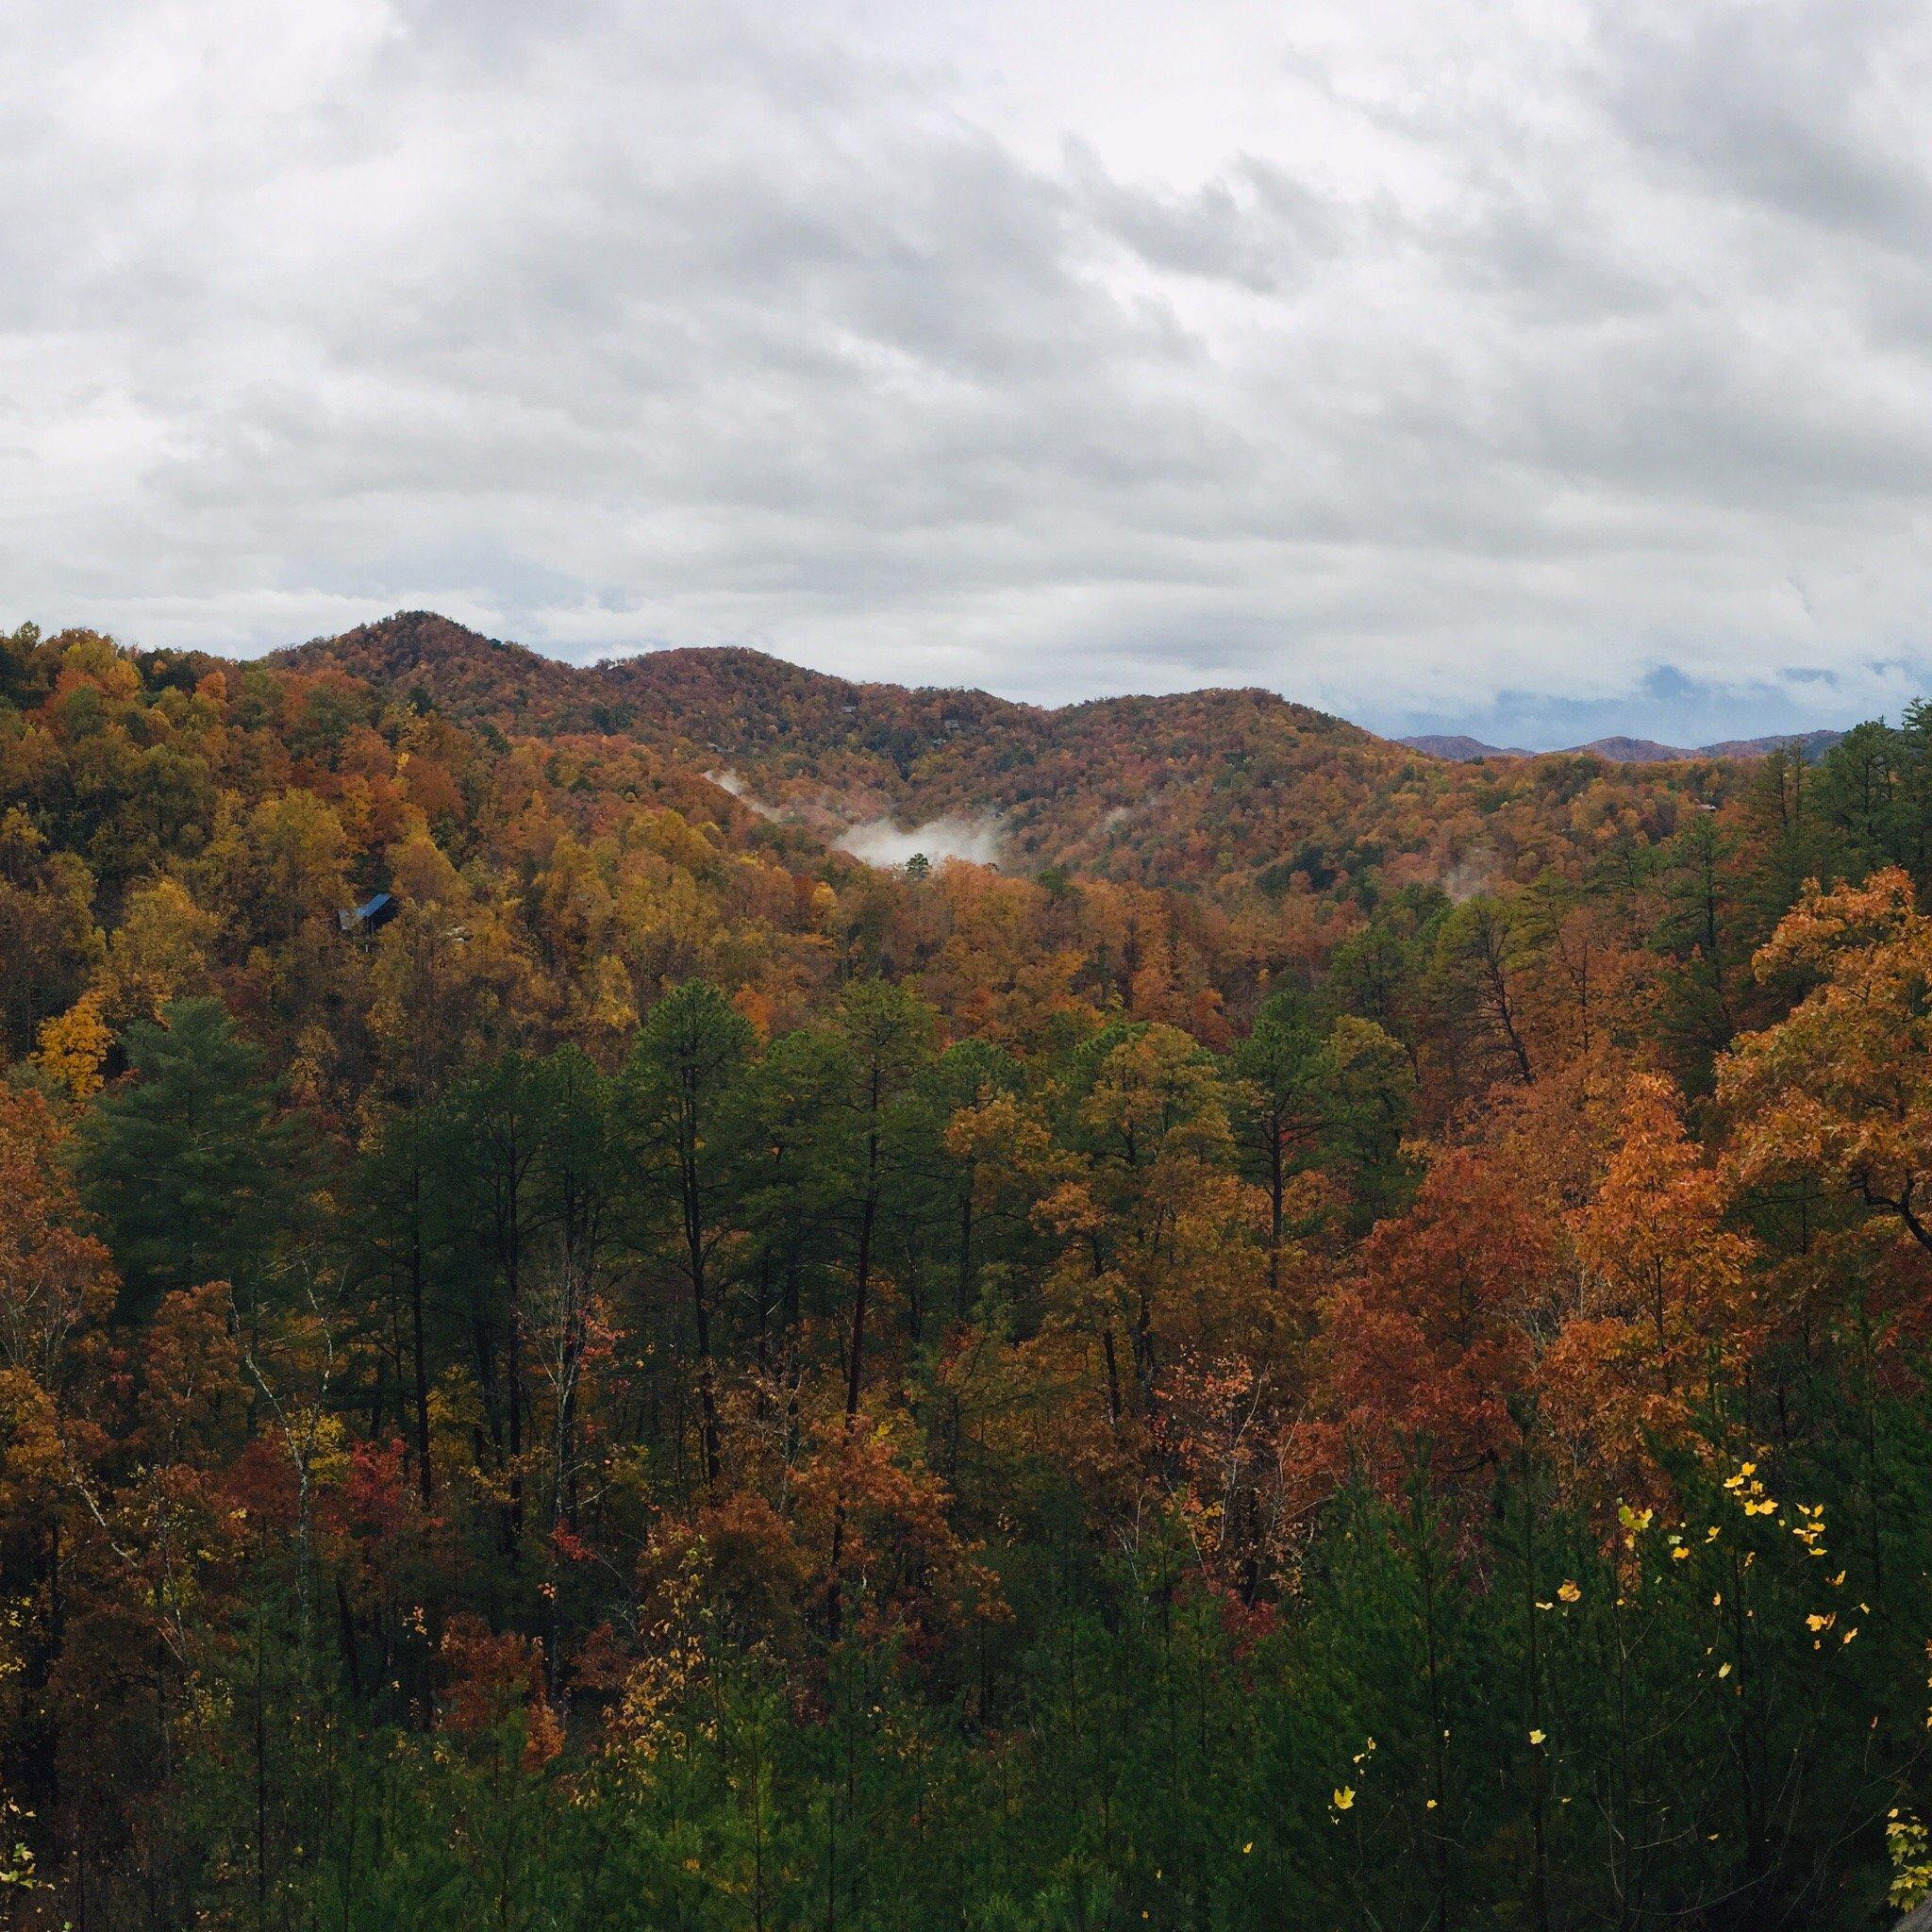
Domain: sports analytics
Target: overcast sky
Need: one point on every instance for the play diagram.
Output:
(1534, 368)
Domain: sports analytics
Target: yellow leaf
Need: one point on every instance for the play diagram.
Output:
(1536, 1737)
(1345, 1797)
(1570, 1592)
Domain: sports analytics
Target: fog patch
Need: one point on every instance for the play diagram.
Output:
(728, 780)
(880, 842)
(1472, 873)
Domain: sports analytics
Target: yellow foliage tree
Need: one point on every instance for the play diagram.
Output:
(73, 1045)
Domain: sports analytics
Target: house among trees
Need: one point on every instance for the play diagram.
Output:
(371, 916)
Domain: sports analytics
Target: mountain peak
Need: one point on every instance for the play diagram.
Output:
(1458, 747)
(462, 671)
(392, 644)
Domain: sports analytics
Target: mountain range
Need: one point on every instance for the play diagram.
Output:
(1221, 789)
(1628, 751)
(744, 701)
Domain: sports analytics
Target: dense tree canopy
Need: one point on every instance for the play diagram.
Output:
(1343, 1343)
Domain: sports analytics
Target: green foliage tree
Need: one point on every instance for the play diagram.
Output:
(1858, 798)
(189, 1175)
(1282, 1101)
(679, 1091)
(1705, 936)
(887, 1034)
(1477, 979)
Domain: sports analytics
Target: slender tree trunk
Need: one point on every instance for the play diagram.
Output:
(1540, 1901)
(261, 1782)
(861, 1279)
(425, 1474)
(1507, 1014)
(1437, 1730)
(965, 1285)
(514, 1369)
(1278, 1188)
(692, 1188)
(854, 1368)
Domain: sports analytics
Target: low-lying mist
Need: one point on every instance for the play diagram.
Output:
(879, 842)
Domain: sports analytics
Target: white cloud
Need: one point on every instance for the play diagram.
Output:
(1394, 353)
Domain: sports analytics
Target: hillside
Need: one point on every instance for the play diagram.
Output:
(1226, 792)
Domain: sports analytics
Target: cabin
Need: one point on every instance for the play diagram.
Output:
(371, 916)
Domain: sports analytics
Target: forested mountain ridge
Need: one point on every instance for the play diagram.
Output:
(719, 699)
(1229, 791)
(800, 735)
(572, 1355)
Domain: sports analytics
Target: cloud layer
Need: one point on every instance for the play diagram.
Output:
(1438, 361)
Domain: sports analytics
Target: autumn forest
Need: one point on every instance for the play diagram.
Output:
(1326, 1338)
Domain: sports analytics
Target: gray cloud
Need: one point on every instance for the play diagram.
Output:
(1397, 356)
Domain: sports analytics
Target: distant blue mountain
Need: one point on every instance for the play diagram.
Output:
(1627, 751)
